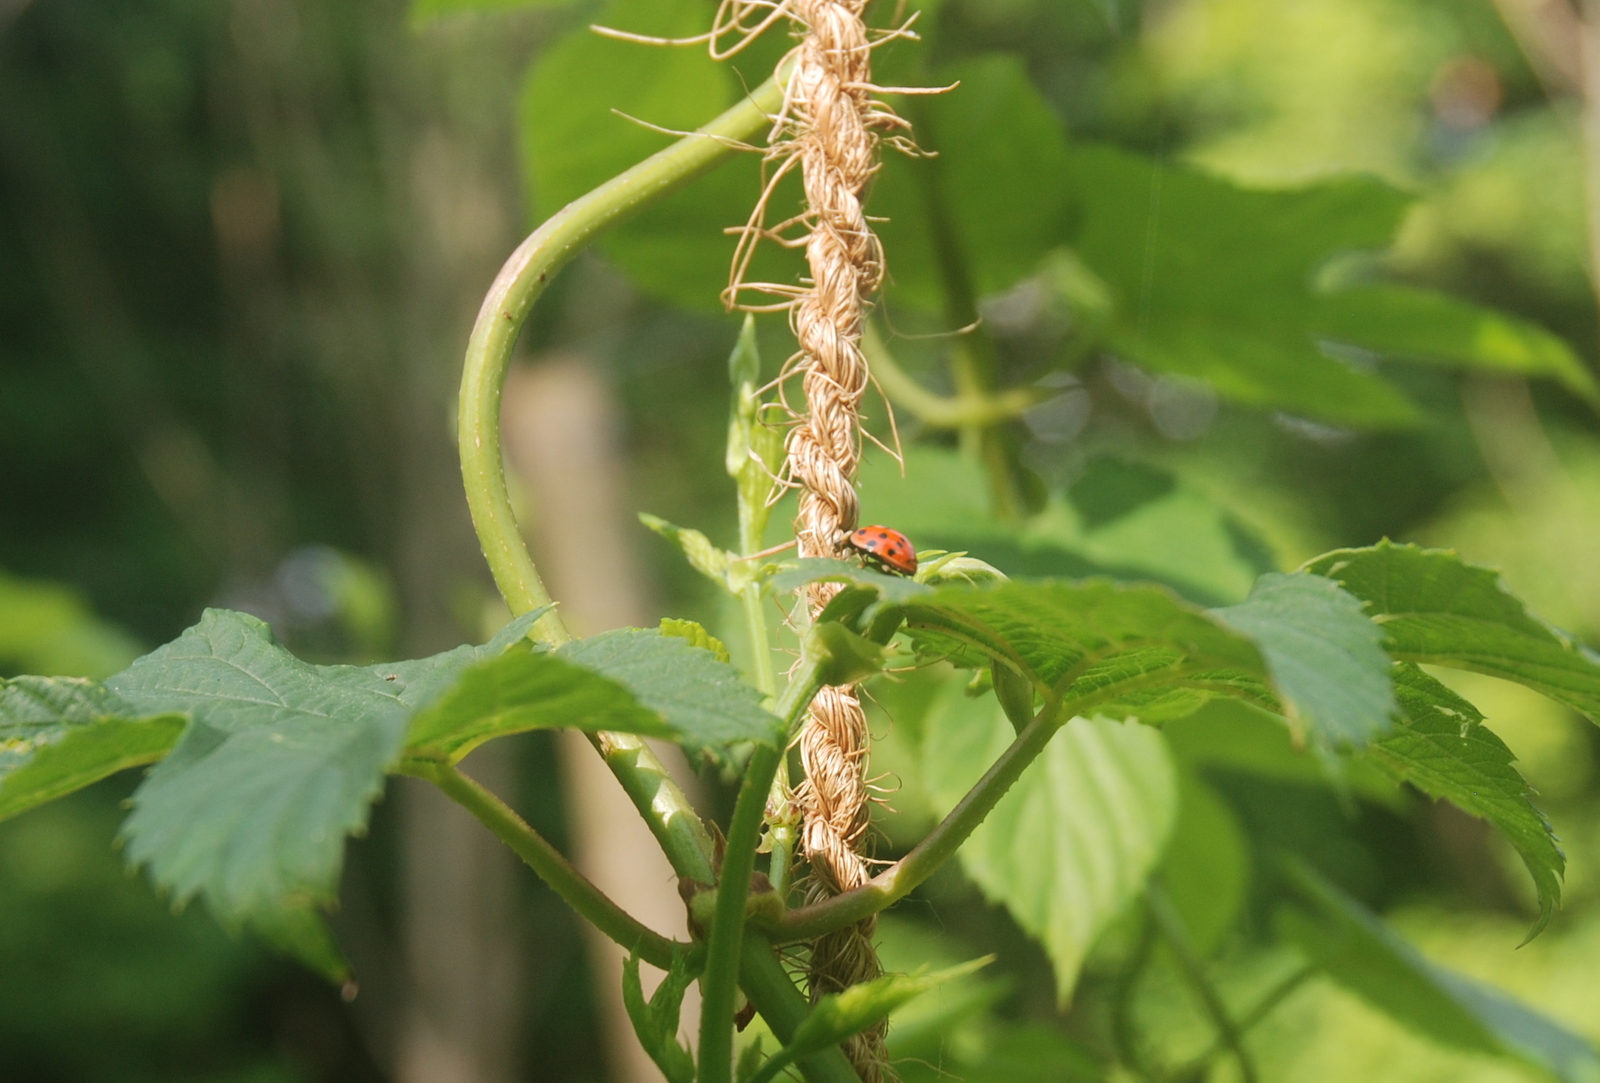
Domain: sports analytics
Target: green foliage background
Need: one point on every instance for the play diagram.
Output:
(1279, 297)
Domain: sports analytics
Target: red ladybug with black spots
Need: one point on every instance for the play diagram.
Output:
(885, 547)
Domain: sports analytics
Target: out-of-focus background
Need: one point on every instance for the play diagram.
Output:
(241, 243)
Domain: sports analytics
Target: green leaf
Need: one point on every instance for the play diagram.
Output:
(574, 138)
(1360, 952)
(1323, 652)
(1072, 843)
(48, 628)
(1442, 748)
(59, 734)
(1214, 281)
(702, 700)
(991, 193)
(1419, 325)
(301, 932)
(278, 765)
(1102, 647)
(627, 681)
(799, 573)
(656, 1021)
(838, 1016)
(425, 10)
(694, 634)
(1206, 867)
(1436, 609)
(704, 557)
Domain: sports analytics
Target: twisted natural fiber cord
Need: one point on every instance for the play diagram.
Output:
(830, 127)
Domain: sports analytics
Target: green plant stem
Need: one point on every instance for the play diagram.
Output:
(519, 284)
(1124, 1032)
(940, 411)
(903, 877)
(720, 979)
(1170, 926)
(552, 868)
(973, 366)
(783, 1007)
(1269, 1002)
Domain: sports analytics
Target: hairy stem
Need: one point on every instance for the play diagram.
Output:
(733, 887)
(901, 878)
(1170, 925)
(552, 868)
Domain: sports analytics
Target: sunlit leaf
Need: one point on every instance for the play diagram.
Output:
(1360, 952)
(1072, 843)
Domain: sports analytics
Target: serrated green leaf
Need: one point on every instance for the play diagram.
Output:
(1436, 609)
(59, 734)
(704, 701)
(1442, 747)
(1072, 843)
(704, 557)
(526, 688)
(627, 681)
(694, 634)
(656, 1021)
(278, 765)
(1103, 647)
(1323, 652)
(301, 932)
(1360, 952)
(799, 573)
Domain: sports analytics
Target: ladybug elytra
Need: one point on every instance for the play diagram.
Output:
(886, 547)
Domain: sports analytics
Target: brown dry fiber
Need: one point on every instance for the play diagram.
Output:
(828, 126)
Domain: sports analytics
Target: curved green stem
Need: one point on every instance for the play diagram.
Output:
(513, 293)
(901, 878)
(553, 869)
(941, 411)
(733, 887)
(519, 284)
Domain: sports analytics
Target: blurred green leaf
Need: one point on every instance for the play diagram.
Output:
(1419, 325)
(59, 734)
(1434, 608)
(425, 10)
(278, 765)
(1323, 652)
(1071, 844)
(301, 932)
(573, 140)
(1214, 281)
(1206, 867)
(1442, 747)
(990, 197)
(1360, 952)
(48, 628)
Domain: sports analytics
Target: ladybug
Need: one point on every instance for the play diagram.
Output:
(886, 547)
